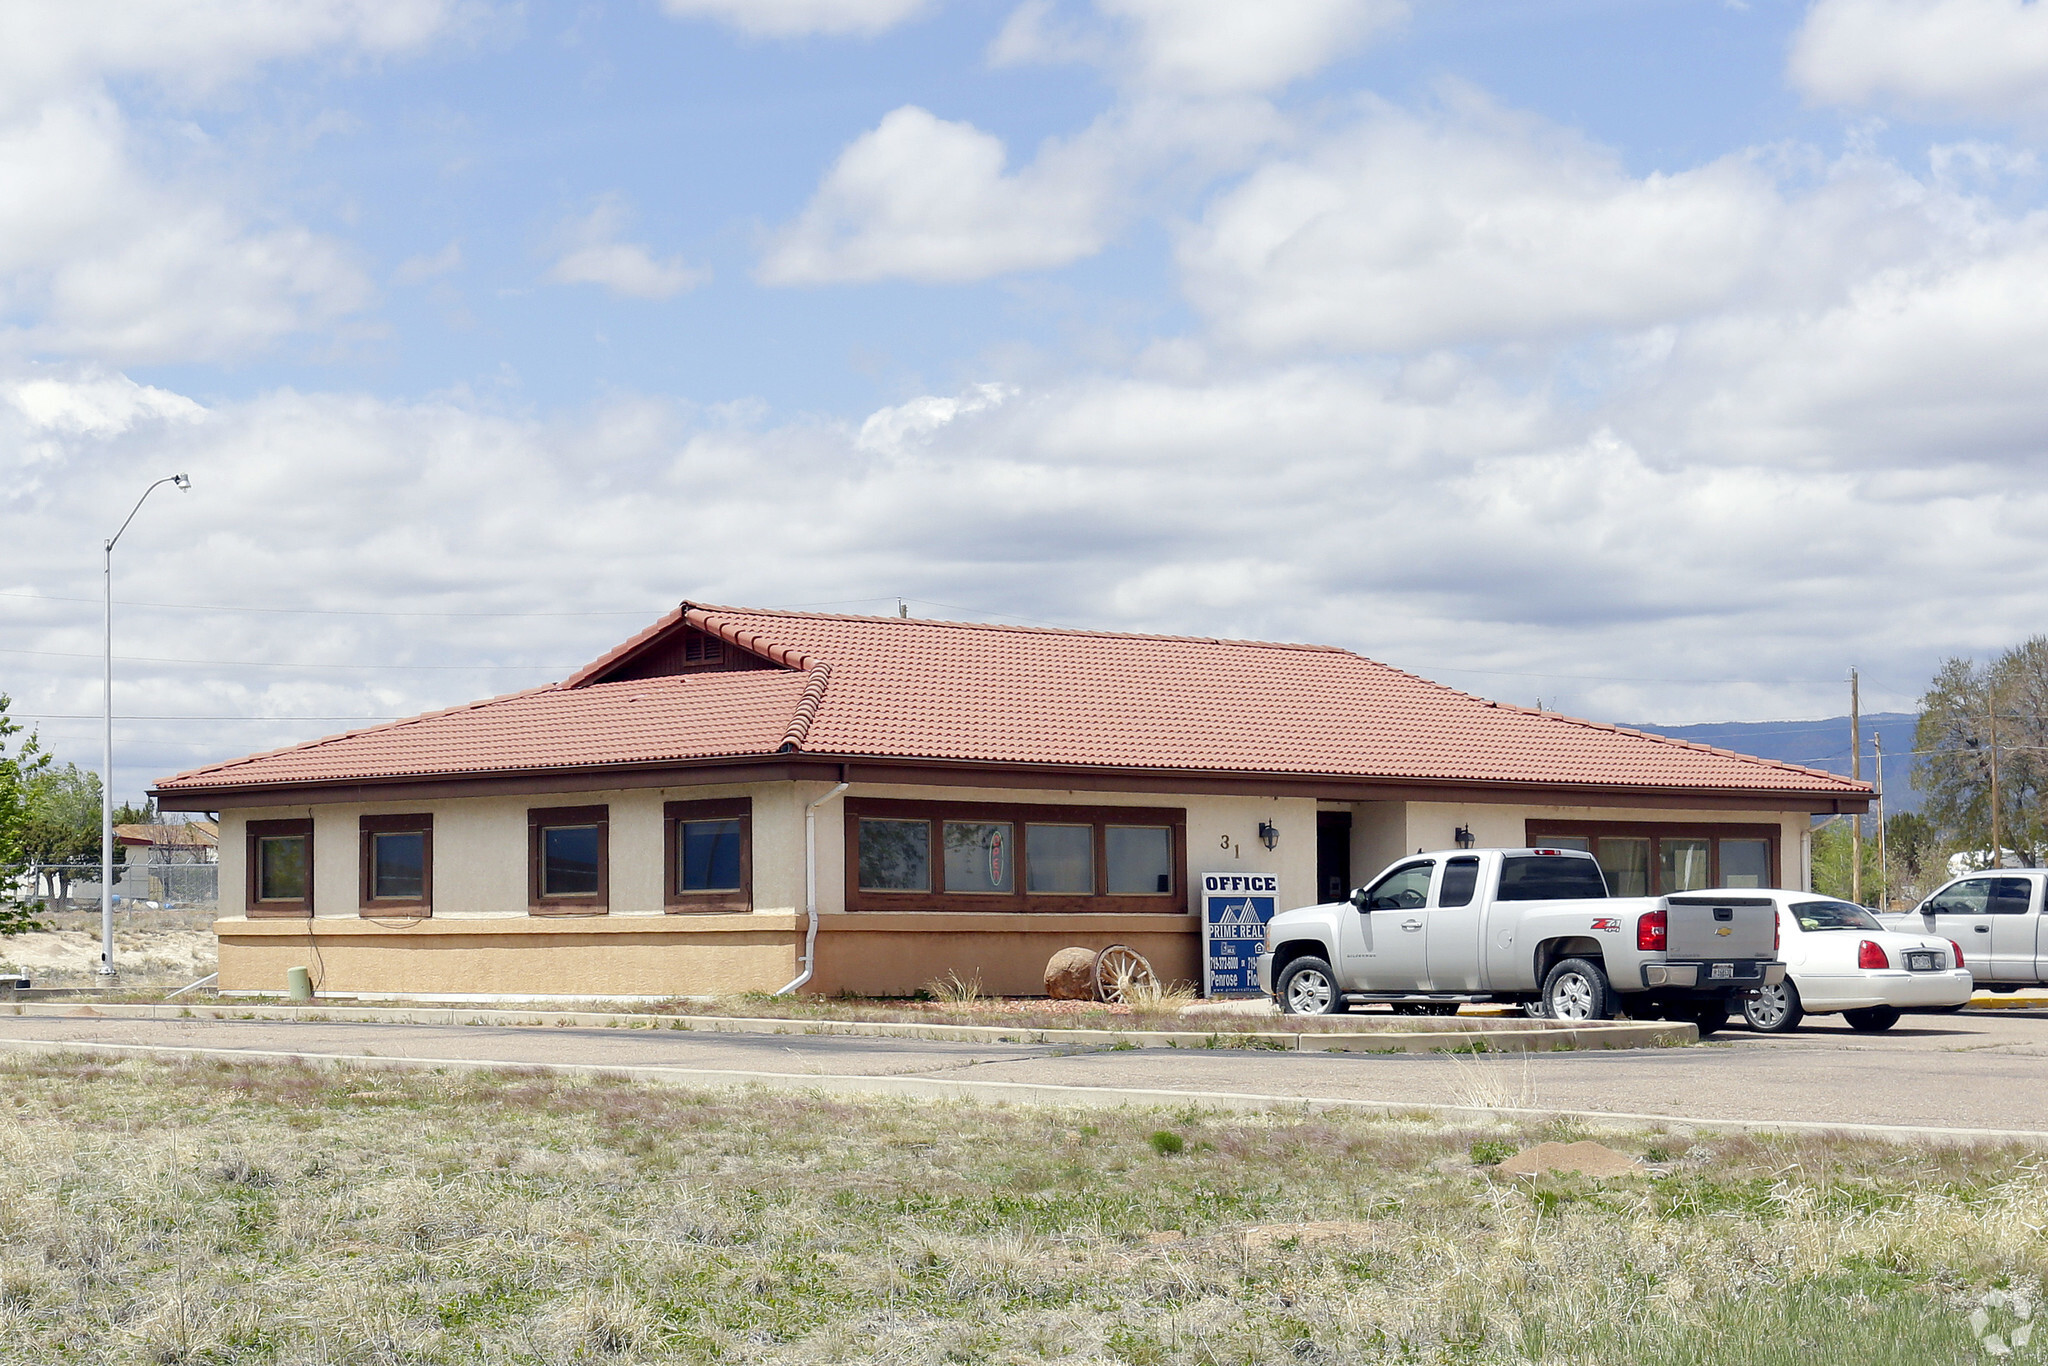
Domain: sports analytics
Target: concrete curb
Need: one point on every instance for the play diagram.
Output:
(1026, 1093)
(1529, 1037)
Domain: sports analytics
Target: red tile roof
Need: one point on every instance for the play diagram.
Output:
(909, 689)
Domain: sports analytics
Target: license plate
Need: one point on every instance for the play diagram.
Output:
(1922, 962)
(1721, 970)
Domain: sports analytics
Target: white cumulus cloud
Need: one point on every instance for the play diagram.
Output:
(1406, 231)
(922, 198)
(1196, 47)
(1980, 57)
(797, 18)
(593, 256)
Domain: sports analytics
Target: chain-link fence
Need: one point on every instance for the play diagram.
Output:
(139, 886)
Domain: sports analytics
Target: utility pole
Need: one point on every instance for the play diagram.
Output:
(1991, 710)
(1856, 772)
(1884, 859)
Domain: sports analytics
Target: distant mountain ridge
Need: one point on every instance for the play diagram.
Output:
(1820, 744)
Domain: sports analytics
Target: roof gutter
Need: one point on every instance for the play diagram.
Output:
(811, 887)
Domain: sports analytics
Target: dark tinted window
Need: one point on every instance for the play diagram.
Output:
(1461, 879)
(2011, 896)
(1815, 916)
(1549, 877)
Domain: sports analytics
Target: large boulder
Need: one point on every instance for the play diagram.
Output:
(1070, 975)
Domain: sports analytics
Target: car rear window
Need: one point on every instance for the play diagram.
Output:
(1815, 916)
(1549, 877)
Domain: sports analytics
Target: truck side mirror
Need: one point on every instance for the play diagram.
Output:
(1360, 899)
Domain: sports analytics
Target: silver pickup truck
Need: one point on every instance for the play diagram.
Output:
(1534, 926)
(1997, 918)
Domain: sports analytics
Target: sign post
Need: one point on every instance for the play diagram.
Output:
(1235, 909)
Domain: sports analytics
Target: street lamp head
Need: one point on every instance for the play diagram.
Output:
(183, 481)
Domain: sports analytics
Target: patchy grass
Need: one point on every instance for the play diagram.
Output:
(170, 1213)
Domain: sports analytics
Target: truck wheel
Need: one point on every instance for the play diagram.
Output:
(1873, 1020)
(1308, 987)
(1774, 1009)
(1577, 989)
(1707, 1016)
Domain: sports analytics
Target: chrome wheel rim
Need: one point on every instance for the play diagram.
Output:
(1571, 997)
(1309, 994)
(1770, 1007)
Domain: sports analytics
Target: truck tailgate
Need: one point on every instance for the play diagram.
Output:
(1707, 926)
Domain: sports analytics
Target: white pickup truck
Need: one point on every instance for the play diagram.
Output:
(1534, 926)
(1998, 920)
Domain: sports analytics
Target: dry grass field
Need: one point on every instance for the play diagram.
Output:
(168, 1213)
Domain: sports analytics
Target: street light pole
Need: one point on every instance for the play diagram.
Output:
(106, 967)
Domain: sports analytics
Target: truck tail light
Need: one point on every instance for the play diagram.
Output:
(1872, 955)
(1777, 932)
(1959, 952)
(1650, 931)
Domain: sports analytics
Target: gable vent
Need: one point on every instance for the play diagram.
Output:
(684, 651)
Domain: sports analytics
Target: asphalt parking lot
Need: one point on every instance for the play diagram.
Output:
(1978, 1070)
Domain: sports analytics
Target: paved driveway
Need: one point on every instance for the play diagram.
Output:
(1973, 1071)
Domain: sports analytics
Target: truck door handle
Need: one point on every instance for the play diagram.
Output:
(1981, 929)
(1411, 924)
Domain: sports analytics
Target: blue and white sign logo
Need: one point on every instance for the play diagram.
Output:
(1235, 909)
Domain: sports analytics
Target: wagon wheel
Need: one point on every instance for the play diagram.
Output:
(1118, 969)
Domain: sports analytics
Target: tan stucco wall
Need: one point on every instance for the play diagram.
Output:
(481, 939)
(699, 955)
(480, 849)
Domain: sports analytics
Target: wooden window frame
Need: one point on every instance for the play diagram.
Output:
(539, 818)
(367, 901)
(673, 816)
(1536, 830)
(258, 831)
(1020, 816)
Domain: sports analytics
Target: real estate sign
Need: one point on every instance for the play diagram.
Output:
(1235, 909)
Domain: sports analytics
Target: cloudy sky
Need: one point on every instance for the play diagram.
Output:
(1659, 359)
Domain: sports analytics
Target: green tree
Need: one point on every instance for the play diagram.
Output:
(1833, 858)
(63, 829)
(20, 768)
(1915, 861)
(1964, 706)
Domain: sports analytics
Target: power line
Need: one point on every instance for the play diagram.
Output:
(276, 664)
(333, 611)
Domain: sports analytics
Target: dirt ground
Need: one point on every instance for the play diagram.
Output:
(150, 947)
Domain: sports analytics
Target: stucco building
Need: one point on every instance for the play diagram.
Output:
(935, 796)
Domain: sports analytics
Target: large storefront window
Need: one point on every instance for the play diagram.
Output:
(976, 856)
(1647, 859)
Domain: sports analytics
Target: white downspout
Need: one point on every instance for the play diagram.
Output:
(811, 889)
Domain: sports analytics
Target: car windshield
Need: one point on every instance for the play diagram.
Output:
(1833, 915)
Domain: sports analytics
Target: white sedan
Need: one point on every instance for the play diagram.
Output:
(1838, 958)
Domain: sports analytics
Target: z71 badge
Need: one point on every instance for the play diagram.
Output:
(1607, 924)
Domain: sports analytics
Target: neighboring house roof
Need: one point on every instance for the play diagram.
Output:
(190, 834)
(712, 684)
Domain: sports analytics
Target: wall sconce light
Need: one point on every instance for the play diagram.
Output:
(1269, 834)
(1463, 836)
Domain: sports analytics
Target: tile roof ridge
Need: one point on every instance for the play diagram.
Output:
(612, 656)
(699, 616)
(799, 727)
(1022, 629)
(403, 721)
(1849, 784)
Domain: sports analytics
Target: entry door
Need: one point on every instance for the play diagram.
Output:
(1961, 911)
(2012, 906)
(1386, 947)
(1333, 855)
(1453, 933)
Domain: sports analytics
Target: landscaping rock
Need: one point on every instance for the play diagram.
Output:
(1070, 975)
(1586, 1159)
